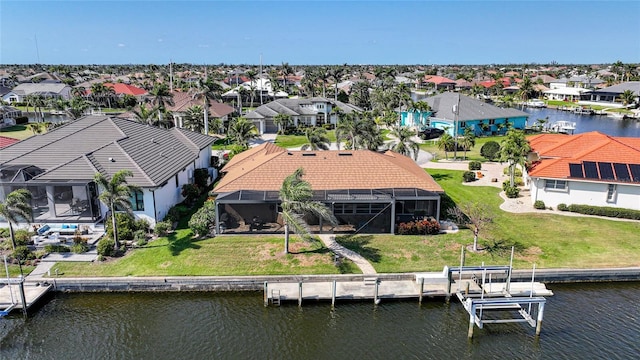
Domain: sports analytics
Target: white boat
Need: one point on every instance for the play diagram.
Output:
(535, 103)
(619, 116)
(563, 127)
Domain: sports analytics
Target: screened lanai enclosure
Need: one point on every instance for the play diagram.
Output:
(357, 211)
(52, 201)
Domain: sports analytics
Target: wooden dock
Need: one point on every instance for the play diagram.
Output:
(10, 298)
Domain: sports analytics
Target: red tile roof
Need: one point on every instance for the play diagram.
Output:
(438, 80)
(265, 167)
(121, 88)
(6, 141)
(557, 151)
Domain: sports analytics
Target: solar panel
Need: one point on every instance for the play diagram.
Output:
(606, 171)
(575, 170)
(635, 172)
(590, 170)
(622, 172)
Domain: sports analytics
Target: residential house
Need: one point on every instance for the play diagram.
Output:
(307, 112)
(580, 82)
(182, 101)
(58, 167)
(565, 93)
(8, 114)
(481, 117)
(590, 168)
(343, 180)
(610, 96)
(20, 93)
(439, 82)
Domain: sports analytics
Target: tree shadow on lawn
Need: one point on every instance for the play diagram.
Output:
(438, 177)
(358, 244)
(312, 242)
(178, 244)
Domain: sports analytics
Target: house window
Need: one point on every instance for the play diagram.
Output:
(137, 200)
(611, 193)
(492, 121)
(555, 184)
(463, 125)
(177, 180)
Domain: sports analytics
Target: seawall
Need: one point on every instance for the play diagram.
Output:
(256, 283)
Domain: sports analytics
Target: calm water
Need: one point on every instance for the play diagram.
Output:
(587, 123)
(581, 322)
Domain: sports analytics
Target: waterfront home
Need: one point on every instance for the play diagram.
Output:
(20, 93)
(590, 168)
(182, 101)
(580, 82)
(481, 117)
(314, 111)
(58, 167)
(610, 96)
(8, 114)
(565, 93)
(438, 82)
(366, 190)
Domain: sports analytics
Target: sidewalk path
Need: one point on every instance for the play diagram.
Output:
(330, 242)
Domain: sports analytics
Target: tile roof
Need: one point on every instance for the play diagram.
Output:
(121, 88)
(438, 80)
(6, 141)
(293, 107)
(78, 149)
(184, 100)
(469, 109)
(557, 151)
(266, 166)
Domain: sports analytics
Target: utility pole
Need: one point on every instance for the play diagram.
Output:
(456, 112)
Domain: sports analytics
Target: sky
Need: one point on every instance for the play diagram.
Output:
(319, 32)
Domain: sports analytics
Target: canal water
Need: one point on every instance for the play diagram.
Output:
(587, 123)
(585, 321)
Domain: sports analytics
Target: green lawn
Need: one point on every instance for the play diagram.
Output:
(19, 132)
(293, 141)
(550, 241)
(472, 154)
(223, 255)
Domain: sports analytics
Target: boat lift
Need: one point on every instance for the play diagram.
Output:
(9, 282)
(481, 294)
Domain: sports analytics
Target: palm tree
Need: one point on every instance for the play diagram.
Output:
(514, 150)
(241, 131)
(627, 97)
(160, 97)
(282, 121)
(16, 206)
(445, 143)
(77, 107)
(145, 114)
(295, 200)
(468, 141)
(286, 70)
(193, 118)
(526, 89)
(316, 139)
(116, 193)
(36, 128)
(205, 93)
(336, 73)
(404, 144)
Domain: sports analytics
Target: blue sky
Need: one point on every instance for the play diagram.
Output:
(318, 32)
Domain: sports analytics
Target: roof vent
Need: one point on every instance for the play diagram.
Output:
(344, 154)
(308, 154)
(153, 140)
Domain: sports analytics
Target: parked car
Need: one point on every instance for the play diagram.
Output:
(431, 133)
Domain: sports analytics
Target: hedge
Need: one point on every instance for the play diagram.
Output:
(605, 211)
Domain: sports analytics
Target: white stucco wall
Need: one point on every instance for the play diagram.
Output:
(587, 193)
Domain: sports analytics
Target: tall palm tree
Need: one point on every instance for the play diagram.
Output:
(526, 89)
(205, 93)
(296, 201)
(193, 118)
(336, 73)
(316, 139)
(15, 207)
(445, 143)
(404, 144)
(116, 193)
(286, 71)
(282, 121)
(241, 131)
(468, 141)
(145, 115)
(160, 97)
(628, 97)
(514, 150)
(76, 107)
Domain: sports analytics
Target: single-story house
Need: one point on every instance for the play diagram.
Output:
(8, 114)
(582, 82)
(22, 91)
(312, 112)
(415, 118)
(439, 82)
(590, 168)
(367, 191)
(58, 167)
(182, 101)
(483, 118)
(610, 96)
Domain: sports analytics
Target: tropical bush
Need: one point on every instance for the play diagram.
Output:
(22, 237)
(79, 248)
(162, 228)
(175, 213)
(512, 192)
(539, 204)
(469, 176)
(105, 247)
(563, 207)
(605, 211)
(142, 224)
(419, 227)
(475, 165)
(126, 226)
(51, 248)
(516, 171)
(23, 253)
(200, 177)
(190, 192)
(204, 219)
(490, 150)
(139, 236)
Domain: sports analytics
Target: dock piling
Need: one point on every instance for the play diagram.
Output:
(333, 294)
(539, 320)
(299, 293)
(266, 294)
(375, 295)
(472, 320)
(421, 290)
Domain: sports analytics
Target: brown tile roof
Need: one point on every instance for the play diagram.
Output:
(557, 151)
(184, 100)
(265, 167)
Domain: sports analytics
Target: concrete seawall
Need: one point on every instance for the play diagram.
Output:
(256, 283)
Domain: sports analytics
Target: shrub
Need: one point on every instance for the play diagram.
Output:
(139, 235)
(539, 204)
(162, 228)
(475, 165)
(78, 239)
(419, 227)
(469, 176)
(142, 242)
(175, 213)
(605, 211)
(105, 247)
(563, 207)
(190, 192)
(142, 224)
(517, 171)
(22, 237)
(490, 150)
(204, 219)
(79, 248)
(512, 192)
(23, 253)
(125, 223)
(200, 177)
(51, 248)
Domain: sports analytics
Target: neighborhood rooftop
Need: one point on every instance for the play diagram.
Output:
(469, 108)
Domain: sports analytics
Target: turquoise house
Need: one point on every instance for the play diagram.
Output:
(451, 109)
(415, 118)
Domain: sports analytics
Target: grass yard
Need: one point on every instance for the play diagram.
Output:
(19, 132)
(549, 240)
(179, 255)
(472, 154)
(293, 141)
